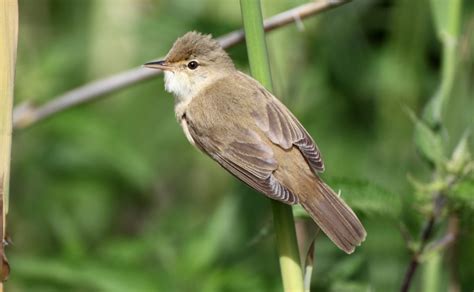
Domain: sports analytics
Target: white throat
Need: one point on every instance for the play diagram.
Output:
(184, 88)
(178, 84)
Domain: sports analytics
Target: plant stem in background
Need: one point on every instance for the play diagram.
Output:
(432, 272)
(447, 17)
(8, 41)
(27, 114)
(291, 271)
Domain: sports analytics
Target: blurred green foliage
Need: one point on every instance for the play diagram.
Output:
(110, 197)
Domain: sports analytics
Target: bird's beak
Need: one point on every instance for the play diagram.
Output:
(163, 65)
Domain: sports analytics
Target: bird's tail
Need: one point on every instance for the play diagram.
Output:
(334, 217)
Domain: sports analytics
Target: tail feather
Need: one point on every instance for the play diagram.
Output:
(335, 218)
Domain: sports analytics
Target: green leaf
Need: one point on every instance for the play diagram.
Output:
(368, 198)
(363, 197)
(461, 156)
(428, 143)
(463, 194)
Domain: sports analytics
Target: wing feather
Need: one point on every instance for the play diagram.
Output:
(283, 129)
(249, 159)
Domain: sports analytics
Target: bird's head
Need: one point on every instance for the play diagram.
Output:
(193, 62)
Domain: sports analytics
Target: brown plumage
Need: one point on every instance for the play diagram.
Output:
(196, 44)
(232, 118)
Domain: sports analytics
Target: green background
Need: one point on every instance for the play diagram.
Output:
(110, 196)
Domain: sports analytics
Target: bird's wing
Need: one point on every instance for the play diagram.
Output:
(248, 158)
(283, 129)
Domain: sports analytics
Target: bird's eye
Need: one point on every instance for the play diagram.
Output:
(193, 65)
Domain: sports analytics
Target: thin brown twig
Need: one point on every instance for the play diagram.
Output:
(453, 229)
(448, 239)
(426, 234)
(27, 114)
(439, 202)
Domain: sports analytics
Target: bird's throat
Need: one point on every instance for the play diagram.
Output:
(179, 85)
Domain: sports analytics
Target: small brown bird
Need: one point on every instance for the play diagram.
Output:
(237, 122)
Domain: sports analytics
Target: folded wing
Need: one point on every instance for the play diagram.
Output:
(249, 159)
(283, 129)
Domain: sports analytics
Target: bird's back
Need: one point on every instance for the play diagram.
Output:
(227, 102)
(229, 113)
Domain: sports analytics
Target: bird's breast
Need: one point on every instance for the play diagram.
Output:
(180, 107)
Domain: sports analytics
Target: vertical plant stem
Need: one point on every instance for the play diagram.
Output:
(255, 41)
(8, 44)
(432, 274)
(288, 253)
(291, 270)
(447, 17)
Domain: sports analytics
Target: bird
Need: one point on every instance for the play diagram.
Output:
(236, 121)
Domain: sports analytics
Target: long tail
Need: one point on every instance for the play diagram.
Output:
(335, 218)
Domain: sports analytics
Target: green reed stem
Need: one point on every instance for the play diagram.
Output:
(291, 270)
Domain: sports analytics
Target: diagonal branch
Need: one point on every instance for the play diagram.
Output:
(27, 114)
